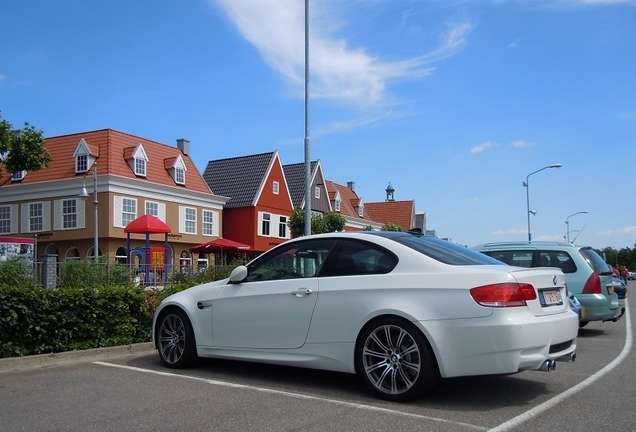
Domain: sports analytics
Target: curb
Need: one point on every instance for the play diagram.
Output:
(37, 361)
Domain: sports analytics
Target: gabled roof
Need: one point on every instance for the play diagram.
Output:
(239, 178)
(295, 176)
(400, 213)
(349, 201)
(109, 146)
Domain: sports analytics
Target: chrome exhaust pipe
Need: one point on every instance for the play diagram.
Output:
(570, 358)
(548, 365)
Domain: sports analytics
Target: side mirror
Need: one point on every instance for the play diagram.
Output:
(239, 274)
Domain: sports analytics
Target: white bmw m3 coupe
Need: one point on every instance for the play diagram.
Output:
(401, 310)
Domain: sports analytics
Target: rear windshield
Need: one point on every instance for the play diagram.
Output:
(445, 251)
(595, 261)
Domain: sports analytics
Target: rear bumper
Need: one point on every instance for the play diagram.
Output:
(598, 307)
(508, 341)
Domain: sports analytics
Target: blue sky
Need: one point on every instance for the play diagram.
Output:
(453, 102)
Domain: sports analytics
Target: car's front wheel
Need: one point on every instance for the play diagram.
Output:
(175, 339)
(395, 360)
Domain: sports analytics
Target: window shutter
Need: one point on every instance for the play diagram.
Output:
(24, 218)
(46, 216)
(81, 213)
(57, 215)
(14, 218)
(117, 206)
(182, 216)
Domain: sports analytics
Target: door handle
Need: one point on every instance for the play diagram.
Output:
(301, 292)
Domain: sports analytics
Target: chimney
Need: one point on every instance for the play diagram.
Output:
(184, 145)
(351, 185)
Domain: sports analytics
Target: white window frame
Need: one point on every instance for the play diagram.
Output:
(140, 166)
(276, 187)
(209, 223)
(317, 192)
(128, 210)
(179, 175)
(81, 163)
(282, 227)
(187, 220)
(6, 221)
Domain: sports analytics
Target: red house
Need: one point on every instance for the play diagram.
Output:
(259, 204)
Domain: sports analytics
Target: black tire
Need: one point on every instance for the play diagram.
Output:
(395, 360)
(583, 323)
(175, 339)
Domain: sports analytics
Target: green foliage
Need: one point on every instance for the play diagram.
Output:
(93, 273)
(367, 228)
(38, 320)
(331, 221)
(390, 226)
(24, 149)
(18, 273)
(623, 257)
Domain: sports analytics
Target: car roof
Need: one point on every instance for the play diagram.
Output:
(515, 244)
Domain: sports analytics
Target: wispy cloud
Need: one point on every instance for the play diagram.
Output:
(484, 146)
(513, 231)
(2, 77)
(522, 143)
(620, 231)
(338, 70)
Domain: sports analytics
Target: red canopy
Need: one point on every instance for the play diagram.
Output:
(220, 244)
(147, 224)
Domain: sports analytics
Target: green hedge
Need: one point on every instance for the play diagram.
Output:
(38, 320)
(84, 312)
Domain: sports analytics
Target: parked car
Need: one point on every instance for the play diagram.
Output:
(619, 287)
(576, 307)
(631, 275)
(399, 309)
(588, 276)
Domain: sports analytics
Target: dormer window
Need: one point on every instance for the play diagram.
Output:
(336, 203)
(179, 175)
(140, 167)
(84, 157)
(137, 159)
(276, 187)
(18, 176)
(81, 163)
(361, 209)
(177, 169)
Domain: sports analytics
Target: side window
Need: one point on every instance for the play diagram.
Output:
(353, 257)
(296, 260)
(513, 257)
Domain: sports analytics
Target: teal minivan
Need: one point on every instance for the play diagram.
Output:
(588, 277)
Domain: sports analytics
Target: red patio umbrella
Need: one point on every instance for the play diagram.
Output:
(219, 245)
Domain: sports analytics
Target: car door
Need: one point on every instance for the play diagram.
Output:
(273, 307)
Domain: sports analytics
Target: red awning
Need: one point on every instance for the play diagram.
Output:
(147, 224)
(220, 245)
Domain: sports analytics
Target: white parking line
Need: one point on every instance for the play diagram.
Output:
(515, 421)
(295, 395)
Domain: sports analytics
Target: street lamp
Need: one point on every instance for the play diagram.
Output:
(527, 186)
(84, 196)
(567, 224)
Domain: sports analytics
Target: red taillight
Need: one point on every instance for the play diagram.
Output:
(593, 285)
(504, 295)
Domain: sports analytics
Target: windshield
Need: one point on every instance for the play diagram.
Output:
(445, 251)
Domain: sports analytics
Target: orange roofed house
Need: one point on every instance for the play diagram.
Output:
(134, 177)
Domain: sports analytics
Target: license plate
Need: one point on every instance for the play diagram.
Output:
(551, 297)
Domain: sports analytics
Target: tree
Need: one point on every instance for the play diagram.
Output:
(22, 149)
(390, 226)
(329, 222)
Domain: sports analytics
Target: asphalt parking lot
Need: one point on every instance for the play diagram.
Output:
(127, 388)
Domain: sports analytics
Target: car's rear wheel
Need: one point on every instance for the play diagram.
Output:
(175, 339)
(395, 360)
